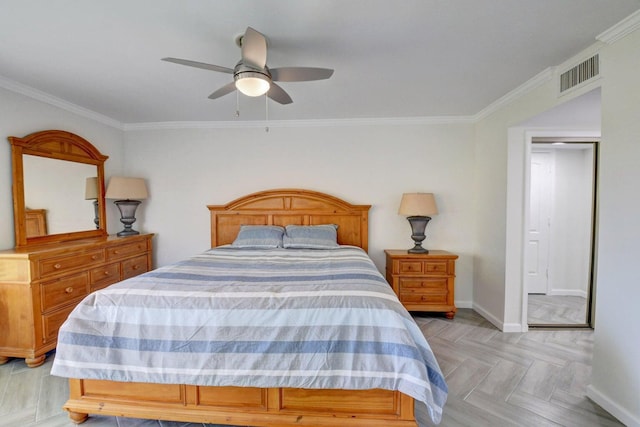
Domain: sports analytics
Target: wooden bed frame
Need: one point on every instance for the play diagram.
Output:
(245, 405)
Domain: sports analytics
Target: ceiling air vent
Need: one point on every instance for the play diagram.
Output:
(580, 73)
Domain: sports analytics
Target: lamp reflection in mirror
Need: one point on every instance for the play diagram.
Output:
(418, 207)
(91, 193)
(126, 191)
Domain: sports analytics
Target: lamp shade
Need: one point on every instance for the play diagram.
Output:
(418, 204)
(91, 188)
(124, 188)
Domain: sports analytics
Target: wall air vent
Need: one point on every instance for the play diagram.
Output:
(580, 73)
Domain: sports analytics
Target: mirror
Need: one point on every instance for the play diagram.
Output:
(53, 171)
(58, 187)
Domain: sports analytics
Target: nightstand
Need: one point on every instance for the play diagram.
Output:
(423, 282)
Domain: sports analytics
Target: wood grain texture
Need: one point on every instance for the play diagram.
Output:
(61, 145)
(40, 285)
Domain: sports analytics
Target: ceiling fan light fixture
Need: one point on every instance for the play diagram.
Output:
(252, 83)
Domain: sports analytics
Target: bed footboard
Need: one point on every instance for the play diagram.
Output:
(240, 405)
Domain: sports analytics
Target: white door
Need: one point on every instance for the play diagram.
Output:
(537, 251)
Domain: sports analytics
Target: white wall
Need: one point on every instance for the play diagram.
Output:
(21, 115)
(373, 164)
(506, 134)
(500, 181)
(616, 369)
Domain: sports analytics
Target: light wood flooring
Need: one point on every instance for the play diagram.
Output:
(556, 310)
(537, 378)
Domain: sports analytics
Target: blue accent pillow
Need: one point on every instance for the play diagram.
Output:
(259, 236)
(311, 237)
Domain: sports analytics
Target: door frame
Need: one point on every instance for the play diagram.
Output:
(565, 135)
(593, 171)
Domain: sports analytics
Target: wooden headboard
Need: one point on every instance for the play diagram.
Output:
(290, 206)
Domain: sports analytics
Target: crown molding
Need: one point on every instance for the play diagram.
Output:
(84, 112)
(401, 121)
(537, 80)
(46, 98)
(621, 29)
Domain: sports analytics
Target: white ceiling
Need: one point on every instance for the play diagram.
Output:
(403, 58)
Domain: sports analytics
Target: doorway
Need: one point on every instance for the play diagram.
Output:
(560, 232)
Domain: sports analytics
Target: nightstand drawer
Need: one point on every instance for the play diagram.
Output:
(438, 267)
(63, 291)
(424, 283)
(425, 298)
(69, 262)
(134, 266)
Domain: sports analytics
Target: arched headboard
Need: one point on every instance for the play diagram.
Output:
(290, 206)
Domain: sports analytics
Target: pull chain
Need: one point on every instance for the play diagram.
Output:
(237, 103)
(266, 113)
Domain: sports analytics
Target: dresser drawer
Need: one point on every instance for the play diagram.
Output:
(69, 262)
(134, 266)
(423, 267)
(63, 291)
(123, 251)
(104, 276)
(51, 323)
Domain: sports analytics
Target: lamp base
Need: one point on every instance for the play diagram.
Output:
(127, 233)
(418, 249)
(96, 218)
(127, 216)
(418, 225)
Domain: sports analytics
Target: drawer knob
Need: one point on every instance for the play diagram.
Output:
(135, 267)
(57, 266)
(69, 290)
(106, 273)
(116, 252)
(94, 257)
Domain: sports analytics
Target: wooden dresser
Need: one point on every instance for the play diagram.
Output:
(423, 282)
(40, 285)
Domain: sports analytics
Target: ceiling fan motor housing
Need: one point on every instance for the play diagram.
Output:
(243, 71)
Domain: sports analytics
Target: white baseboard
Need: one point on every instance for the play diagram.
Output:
(569, 292)
(623, 415)
(463, 304)
(504, 327)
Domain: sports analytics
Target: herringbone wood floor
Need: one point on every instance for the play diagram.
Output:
(495, 379)
(556, 310)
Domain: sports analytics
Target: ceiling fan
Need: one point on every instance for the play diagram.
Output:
(252, 77)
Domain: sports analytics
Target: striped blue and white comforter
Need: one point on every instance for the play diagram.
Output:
(259, 318)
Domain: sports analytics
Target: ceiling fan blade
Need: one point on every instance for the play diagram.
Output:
(279, 95)
(299, 74)
(228, 88)
(254, 48)
(202, 65)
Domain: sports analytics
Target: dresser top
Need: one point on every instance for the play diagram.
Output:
(71, 245)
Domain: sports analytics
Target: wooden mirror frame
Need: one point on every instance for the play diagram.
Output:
(54, 144)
